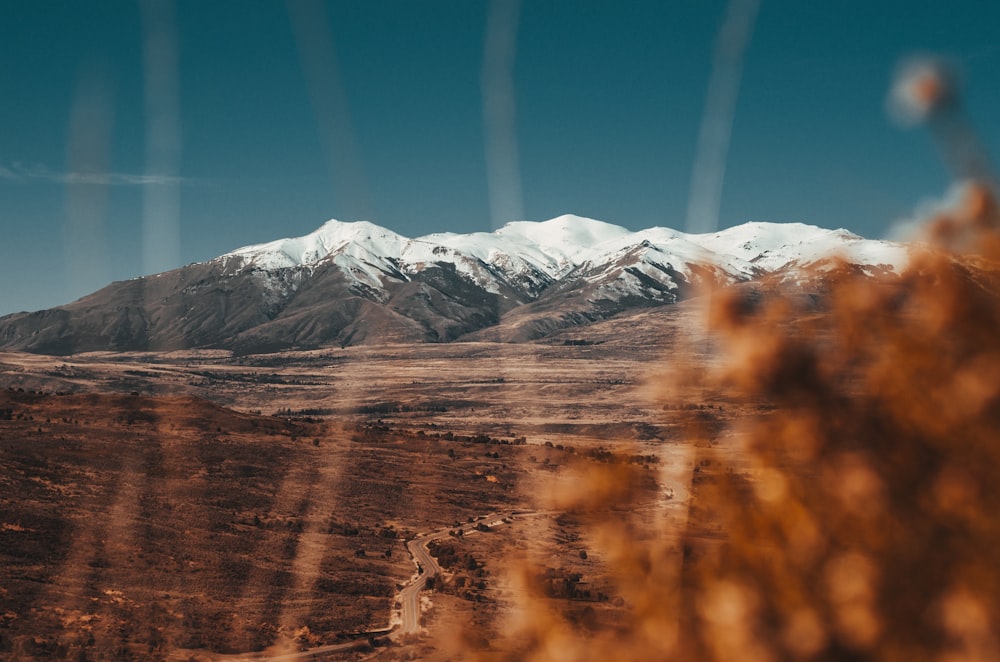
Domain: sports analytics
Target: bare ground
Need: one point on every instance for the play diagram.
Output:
(199, 505)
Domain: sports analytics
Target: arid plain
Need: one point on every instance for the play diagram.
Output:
(198, 505)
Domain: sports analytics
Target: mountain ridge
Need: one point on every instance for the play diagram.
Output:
(356, 282)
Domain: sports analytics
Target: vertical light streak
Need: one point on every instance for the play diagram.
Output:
(318, 58)
(91, 125)
(709, 172)
(504, 178)
(161, 201)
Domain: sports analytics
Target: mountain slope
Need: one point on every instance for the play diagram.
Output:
(355, 283)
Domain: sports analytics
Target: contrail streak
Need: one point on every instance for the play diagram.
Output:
(502, 170)
(717, 122)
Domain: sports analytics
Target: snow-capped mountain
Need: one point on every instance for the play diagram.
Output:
(531, 256)
(349, 283)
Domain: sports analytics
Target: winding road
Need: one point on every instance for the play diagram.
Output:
(427, 567)
(409, 596)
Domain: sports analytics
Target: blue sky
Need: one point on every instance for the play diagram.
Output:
(381, 116)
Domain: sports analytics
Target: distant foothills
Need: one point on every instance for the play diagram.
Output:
(358, 283)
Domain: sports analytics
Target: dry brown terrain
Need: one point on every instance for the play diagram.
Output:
(205, 505)
(136, 526)
(595, 377)
(197, 504)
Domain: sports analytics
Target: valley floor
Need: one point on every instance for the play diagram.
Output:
(196, 504)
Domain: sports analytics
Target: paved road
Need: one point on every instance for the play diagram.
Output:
(409, 597)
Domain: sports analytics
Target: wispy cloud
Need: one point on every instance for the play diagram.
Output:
(19, 172)
(8, 174)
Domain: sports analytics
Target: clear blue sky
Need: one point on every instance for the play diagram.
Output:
(608, 98)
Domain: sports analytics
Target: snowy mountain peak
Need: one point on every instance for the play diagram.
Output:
(771, 246)
(334, 232)
(331, 237)
(351, 283)
(533, 254)
(564, 230)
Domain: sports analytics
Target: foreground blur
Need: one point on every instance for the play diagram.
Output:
(861, 520)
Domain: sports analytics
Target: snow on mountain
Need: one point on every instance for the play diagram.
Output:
(527, 257)
(358, 283)
(771, 246)
(331, 238)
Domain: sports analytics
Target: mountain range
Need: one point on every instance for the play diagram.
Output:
(358, 283)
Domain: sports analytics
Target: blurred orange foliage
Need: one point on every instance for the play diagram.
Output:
(862, 523)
